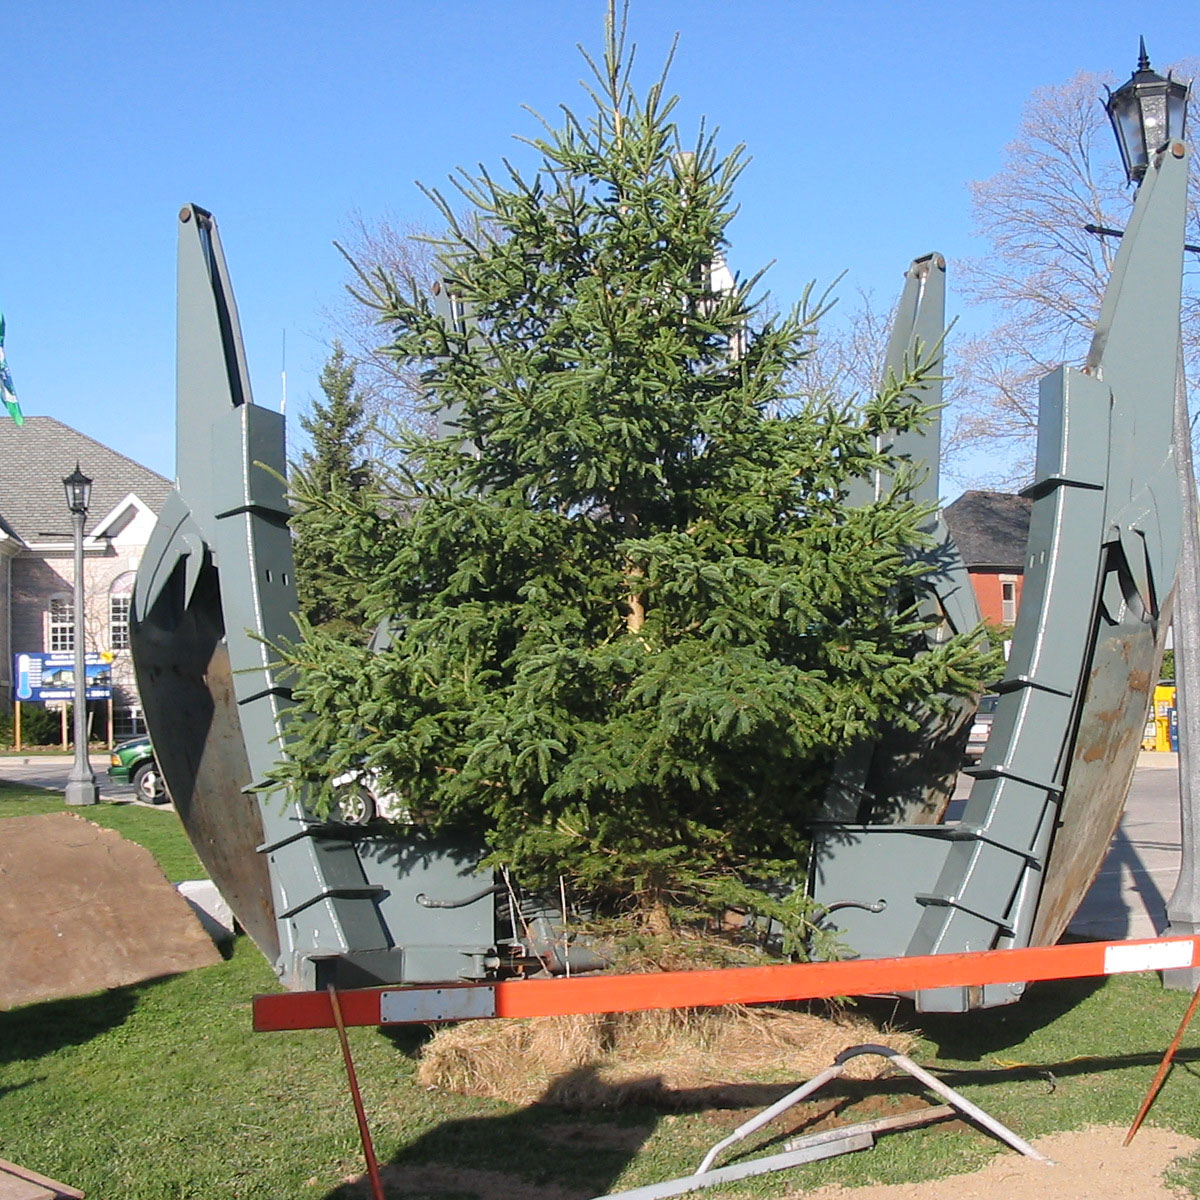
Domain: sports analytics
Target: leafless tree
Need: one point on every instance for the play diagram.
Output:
(847, 353)
(391, 387)
(1044, 274)
(847, 361)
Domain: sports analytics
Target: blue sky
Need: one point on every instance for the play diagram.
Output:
(865, 121)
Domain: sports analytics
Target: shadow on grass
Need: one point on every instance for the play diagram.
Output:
(969, 1037)
(553, 1151)
(36, 1030)
(541, 1152)
(409, 1040)
(548, 1152)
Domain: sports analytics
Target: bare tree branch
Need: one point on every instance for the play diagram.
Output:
(1044, 274)
(392, 391)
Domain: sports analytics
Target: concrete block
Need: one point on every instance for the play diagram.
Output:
(210, 908)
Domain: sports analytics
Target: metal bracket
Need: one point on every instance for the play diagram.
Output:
(900, 775)
(829, 1142)
(214, 596)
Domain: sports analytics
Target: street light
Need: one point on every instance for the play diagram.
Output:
(1147, 112)
(81, 783)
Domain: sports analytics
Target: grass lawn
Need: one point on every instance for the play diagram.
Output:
(161, 1091)
(157, 829)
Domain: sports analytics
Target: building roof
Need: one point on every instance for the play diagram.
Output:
(37, 456)
(7, 531)
(990, 529)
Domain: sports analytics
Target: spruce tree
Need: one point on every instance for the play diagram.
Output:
(633, 622)
(334, 469)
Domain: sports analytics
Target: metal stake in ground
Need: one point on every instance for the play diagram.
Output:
(364, 1131)
(1163, 1068)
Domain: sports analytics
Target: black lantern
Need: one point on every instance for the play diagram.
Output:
(1146, 113)
(79, 490)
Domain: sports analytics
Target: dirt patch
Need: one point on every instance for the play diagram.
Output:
(1088, 1163)
(675, 1058)
(83, 909)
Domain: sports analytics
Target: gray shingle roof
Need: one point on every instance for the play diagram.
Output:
(34, 459)
(990, 529)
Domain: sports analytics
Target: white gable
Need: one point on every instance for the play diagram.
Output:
(128, 523)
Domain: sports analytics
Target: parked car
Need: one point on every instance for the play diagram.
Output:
(362, 796)
(134, 762)
(981, 726)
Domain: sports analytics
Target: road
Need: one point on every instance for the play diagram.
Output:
(1128, 899)
(51, 771)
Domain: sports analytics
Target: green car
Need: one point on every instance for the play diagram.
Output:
(133, 762)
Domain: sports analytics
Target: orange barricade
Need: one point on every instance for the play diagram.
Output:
(423, 1003)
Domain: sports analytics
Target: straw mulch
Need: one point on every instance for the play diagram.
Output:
(604, 1060)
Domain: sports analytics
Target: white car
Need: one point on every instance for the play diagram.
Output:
(361, 797)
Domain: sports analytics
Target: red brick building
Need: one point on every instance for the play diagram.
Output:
(991, 530)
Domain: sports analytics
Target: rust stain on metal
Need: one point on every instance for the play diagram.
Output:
(222, 821)
(186, 682)
(1112, 719)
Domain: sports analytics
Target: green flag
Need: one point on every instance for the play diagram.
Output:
(7, 391)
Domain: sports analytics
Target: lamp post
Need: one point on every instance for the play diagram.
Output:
(1147, 112)
(81, 783)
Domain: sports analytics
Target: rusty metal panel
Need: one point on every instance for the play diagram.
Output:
(1120, 687)
(186, 686)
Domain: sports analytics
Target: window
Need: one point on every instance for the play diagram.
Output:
(118, 622)
(1008, 600)
(60, 630)
(60, 625)
(128, 723)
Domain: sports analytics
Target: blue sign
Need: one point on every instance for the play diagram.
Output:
(39, 677)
